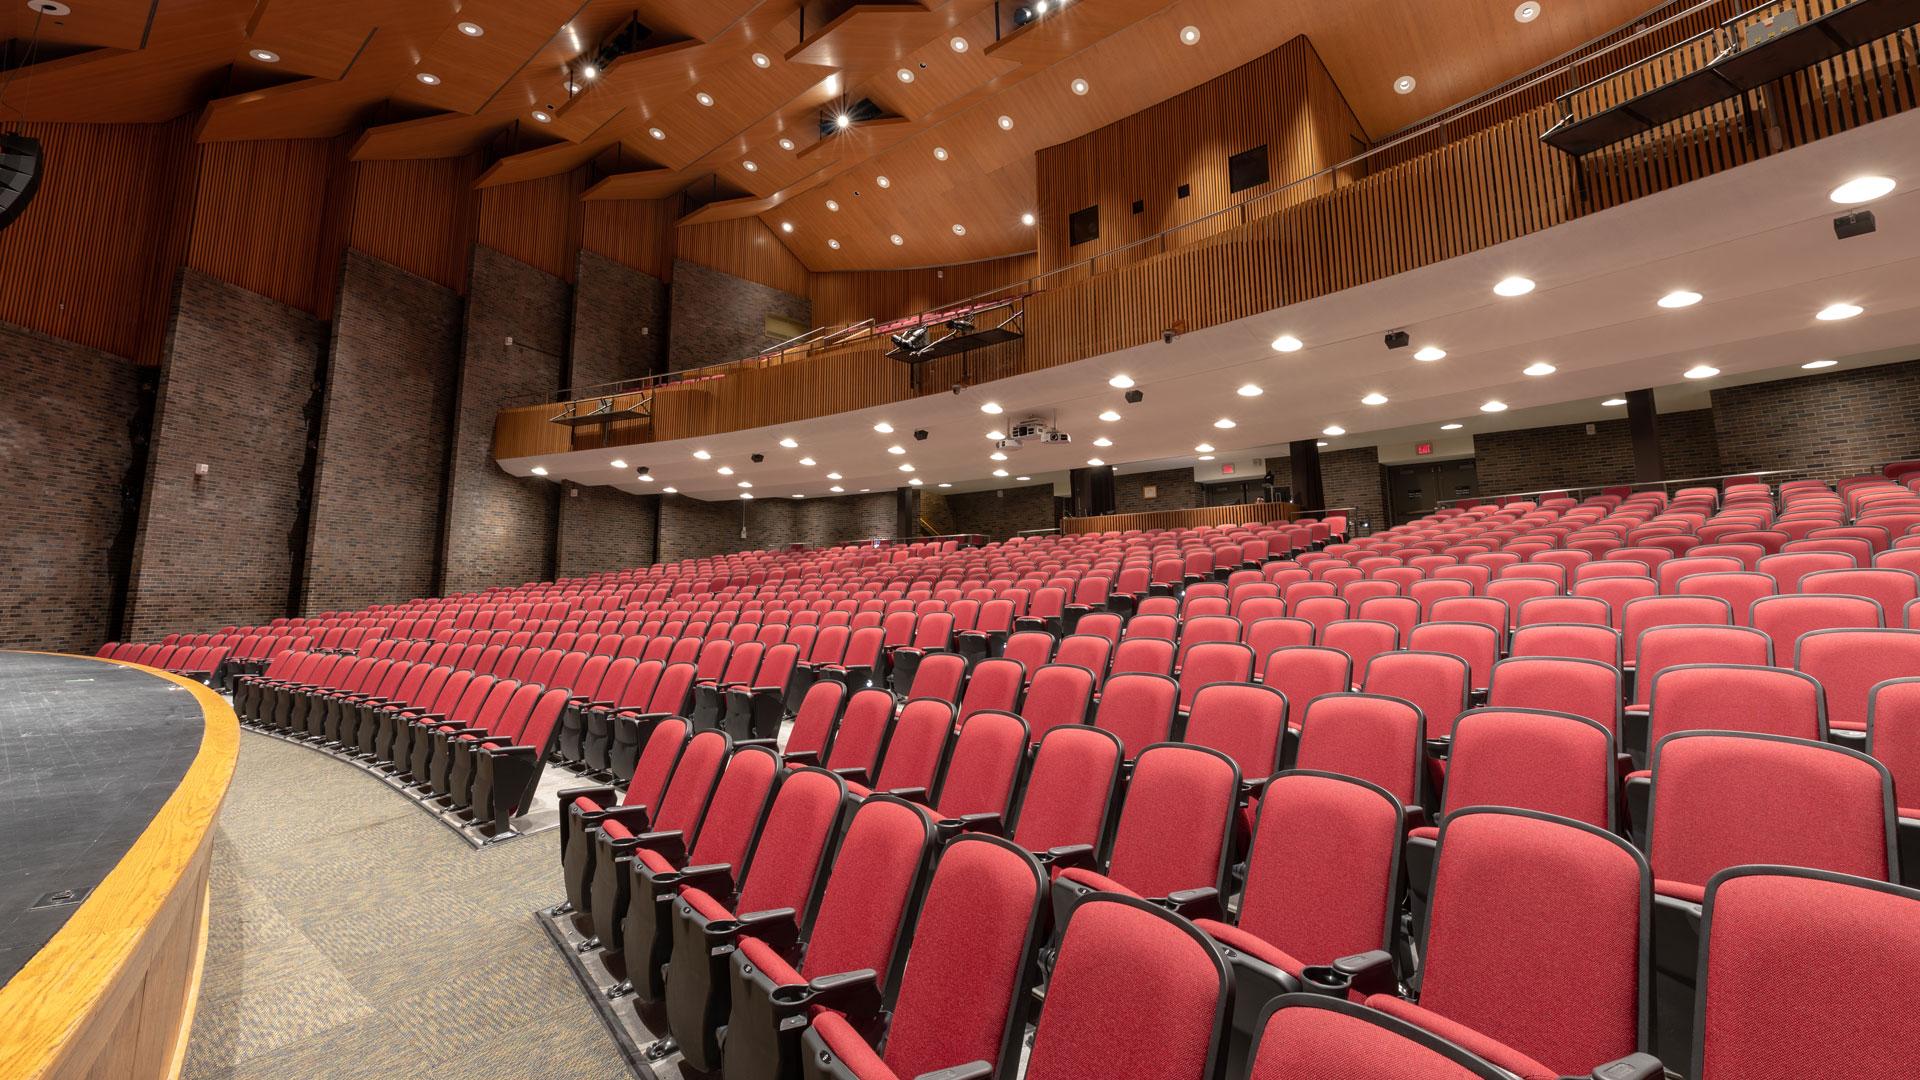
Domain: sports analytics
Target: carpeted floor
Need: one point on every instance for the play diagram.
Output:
(354, 936)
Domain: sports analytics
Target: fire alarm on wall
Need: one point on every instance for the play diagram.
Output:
(200, 469)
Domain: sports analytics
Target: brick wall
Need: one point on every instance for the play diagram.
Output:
(394, 356)
(717, 317)
(619, 322)
(999, 513)
(64, 451)
(1830, 423)
(1353, 478)
(690, 528)
(1175, 490)
(500, 527)
(235, 381)
(1534, 459)
(604, 528)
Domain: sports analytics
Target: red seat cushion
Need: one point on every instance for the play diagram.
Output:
(706, 905)
(1467, 1038)
(653, 861)
(1096, 882)
(1256, 947)
(850, 1048)
(762, 956)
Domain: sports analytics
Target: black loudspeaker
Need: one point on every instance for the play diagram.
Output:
(20, 167)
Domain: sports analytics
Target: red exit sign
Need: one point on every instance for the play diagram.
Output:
(1227, 468)
(1423, 449)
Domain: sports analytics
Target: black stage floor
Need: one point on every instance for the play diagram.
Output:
(89, 751)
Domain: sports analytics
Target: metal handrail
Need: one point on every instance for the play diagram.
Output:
(1570, 490)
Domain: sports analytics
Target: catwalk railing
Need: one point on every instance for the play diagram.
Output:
(1420, 198)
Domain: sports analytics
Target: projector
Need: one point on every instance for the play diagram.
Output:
(1032, 428)
(1057, 437)
(1857, 223)
(1008, 444)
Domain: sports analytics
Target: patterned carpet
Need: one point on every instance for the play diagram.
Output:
(354, 936)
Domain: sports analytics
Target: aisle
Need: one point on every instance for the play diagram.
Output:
(354, 936)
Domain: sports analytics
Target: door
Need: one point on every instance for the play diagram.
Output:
(1417, 488)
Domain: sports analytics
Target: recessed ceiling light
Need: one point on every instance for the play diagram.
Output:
(1109, 416)
(1189, 35)
(996, 456)
(843, 121)
(1026, 219)
(996, 434)
(760, 60)
(1121, 382)
(944, 484)
(1451, 427)
(589, 72)
(265, 56)
(1816, 365)
(1836, 312)
(1224, 423)
(959, 229)
(1204, 457)
(883, 428)
(1513, 286)
(1249, 390)
(1494, 406)
(1430, 354)
(999, 472)
(883, 181)
(786, 144)
(744, 484)
(939, 153)
(725, 470)
(428, 78)
(789, 442)
(836, 488)
(1005, 122)
(702, 455)
(541, 116)
(748, 495)
(1701, 371)
(904, 75)
(895, 238)
(834, 244)
(1403, 85)
(656, 133)
(915, 481)
(1204, 448)
(906, 466)
(835, 476)
(991, 408)
(1095, 461)
(1023, 478)
(1538, 368)
(1286, 343)
(670, 490)
(1861, 189)
(1333, 431)
(957, 44)
(749, 166)
(1103, 442)
(786, 226)
(808, 462)
(1527, 12)
(618, 463)
(1078, 86)
(896, 449)
(539, 470)
(704, 98)
(1679, 298)
(1322, 442)
(1613, 402)
(799, 496)
(648, 478)
(1375, 398)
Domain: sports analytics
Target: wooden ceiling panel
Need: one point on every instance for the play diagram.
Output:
(100, 24)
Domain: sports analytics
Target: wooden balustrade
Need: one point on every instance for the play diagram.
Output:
(1493, 185)
(1199, 517)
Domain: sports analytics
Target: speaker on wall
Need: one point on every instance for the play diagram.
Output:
(20, 167)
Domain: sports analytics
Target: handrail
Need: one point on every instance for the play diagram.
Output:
(1037, 282)
(1569, 490)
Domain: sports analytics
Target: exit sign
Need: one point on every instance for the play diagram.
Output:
(1423, 449)
(1227, 468)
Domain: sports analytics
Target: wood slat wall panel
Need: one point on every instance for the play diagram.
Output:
(419, 215)
(92, 260)
(843, 297)
(1198, 517)
(538, 222)
(745, 248)
(265, 217)
(636, 233)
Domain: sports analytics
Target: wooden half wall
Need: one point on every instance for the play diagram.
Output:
(1196, 518)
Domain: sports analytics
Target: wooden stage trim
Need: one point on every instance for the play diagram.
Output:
(1245, 514)
(112, 993)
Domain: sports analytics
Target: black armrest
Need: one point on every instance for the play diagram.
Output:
(1080, 855)
(1440, 748)
(605, 796)
(972, 1070)
(854, 993)
(800, 757)
(771, 744)
(1195, 903)
(1631, 1067)
(852, 773)
(671, 843)
(910, 794)
(1368, 973)
(716, 879)
(636, 818)
(1253, 787)
(778, 927)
